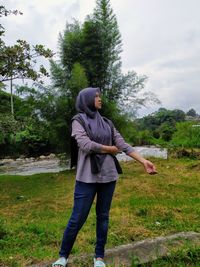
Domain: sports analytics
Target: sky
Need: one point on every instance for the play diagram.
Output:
(161, 39)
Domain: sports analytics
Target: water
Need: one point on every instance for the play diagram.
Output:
(31, 166)
(145, 151)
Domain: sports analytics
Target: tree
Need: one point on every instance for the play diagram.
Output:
(191, 113)
(102, 46)
(110, 42)
(18, 61)
(92, 54)
(70, 52)
(125, 89)
(70, 46)
(166, 131)
(77, 81)
(64, 101)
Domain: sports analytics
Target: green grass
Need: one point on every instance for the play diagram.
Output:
(35, 210)
(188, 257)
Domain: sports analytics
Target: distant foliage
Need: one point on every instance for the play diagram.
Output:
(161, 125)
(187, 135)
(192, 113)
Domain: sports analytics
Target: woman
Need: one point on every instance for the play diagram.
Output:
(97, 172)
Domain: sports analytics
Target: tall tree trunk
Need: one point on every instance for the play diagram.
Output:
(11, 96)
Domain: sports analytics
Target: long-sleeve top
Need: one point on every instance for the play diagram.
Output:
(86, 146)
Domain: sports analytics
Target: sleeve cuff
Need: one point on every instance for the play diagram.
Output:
(95, 147)
(129, 150)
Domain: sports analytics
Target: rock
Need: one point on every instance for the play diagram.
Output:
(51, 156)
(19, 159)
(42, 157)
(27, 159)
(62, 156)
(5, 161)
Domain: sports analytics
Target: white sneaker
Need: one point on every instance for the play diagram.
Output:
(61, 262)
(99, 263)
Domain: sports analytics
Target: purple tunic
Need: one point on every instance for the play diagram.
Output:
(108, 171)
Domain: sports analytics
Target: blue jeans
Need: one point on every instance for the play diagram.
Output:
(83, 198)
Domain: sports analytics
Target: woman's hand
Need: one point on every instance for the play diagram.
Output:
(114, 150)
(149, 167)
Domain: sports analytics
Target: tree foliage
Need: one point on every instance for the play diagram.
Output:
(187, 135)
(110, 42)
(5, 12)
(18, 61)
(161, 124)
(192, 113)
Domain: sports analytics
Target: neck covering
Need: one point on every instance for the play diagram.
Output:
(96, 127)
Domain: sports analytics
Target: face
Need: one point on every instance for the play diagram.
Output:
(97, 101)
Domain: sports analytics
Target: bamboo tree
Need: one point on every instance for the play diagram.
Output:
(110, 39)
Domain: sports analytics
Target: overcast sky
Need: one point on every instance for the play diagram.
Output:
(161, 39)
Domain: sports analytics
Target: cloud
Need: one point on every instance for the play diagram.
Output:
(162, 40)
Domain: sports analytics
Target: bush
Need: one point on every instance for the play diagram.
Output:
(187, 135)
(33, 140)
(144, 138)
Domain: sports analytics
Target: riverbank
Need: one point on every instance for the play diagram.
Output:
(35, 210)
(28, 166)
(56, 163)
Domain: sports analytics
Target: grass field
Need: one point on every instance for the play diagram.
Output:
(36, 208)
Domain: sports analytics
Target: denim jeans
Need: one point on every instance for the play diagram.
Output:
(83, 198)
